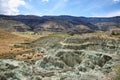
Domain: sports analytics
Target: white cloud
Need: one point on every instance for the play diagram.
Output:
(41, 0)
(44, 0)
(111, 14)
(116, 13)
(116, 0)
(59, 5)
(10, 7)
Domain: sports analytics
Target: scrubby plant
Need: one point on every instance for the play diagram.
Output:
(59, 35)
(117, 70)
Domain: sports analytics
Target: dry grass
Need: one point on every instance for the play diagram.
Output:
(29, 56)
(7, 42)
(117, 70)
(28, 34)
(102, 35)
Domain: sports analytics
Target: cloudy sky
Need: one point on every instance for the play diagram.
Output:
(88, 8)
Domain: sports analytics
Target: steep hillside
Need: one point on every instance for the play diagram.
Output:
(104, 24)
(8, 42)
(61, 24)
(13, 26)
(9, 37)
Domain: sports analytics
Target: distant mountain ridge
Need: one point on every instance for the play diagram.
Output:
(62, 24)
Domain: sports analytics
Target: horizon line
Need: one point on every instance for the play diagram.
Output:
(60, 15)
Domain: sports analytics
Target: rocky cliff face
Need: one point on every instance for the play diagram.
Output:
(85, 57)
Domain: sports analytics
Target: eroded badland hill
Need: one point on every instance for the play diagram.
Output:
(42, 53)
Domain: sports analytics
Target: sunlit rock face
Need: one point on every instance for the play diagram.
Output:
(76, 58)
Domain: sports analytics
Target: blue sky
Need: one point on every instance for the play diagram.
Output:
(88, 8)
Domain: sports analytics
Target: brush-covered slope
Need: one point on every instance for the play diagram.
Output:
(13, 26)
(8, 37)
(105, 24)
(61, 24)
(8, 42)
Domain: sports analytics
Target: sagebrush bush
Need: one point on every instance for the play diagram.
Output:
(117, 70)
